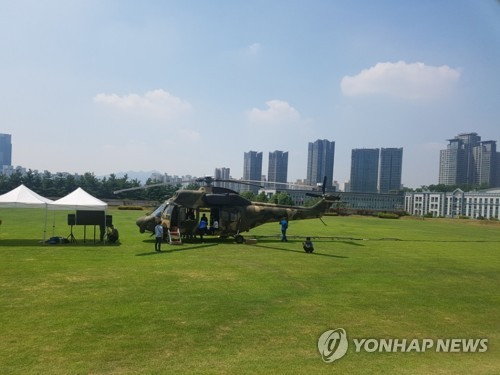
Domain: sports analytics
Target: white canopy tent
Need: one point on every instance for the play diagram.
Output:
(79, 199)
(23, 197)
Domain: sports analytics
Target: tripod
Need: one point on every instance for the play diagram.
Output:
(71, 237)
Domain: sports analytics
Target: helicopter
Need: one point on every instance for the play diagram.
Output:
(233, 213)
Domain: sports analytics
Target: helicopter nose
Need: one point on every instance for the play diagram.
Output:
(140, 222)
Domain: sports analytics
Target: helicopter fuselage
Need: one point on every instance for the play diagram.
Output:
(233, 213)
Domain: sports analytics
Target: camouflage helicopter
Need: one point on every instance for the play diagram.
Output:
(233, 213)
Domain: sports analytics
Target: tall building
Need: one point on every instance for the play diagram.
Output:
(252, 169)
(485, 155)
(278, 167)
(467, 160)
(320, 159)
(390, 168)
(364, 170)
(449, 162)
(5, 150)
(469, 142)
(222, 174)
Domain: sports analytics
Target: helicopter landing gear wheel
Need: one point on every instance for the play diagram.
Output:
(239, 238)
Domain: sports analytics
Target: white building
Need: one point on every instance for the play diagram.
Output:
(473, 204)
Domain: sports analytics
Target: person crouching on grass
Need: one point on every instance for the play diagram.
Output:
(308, 245)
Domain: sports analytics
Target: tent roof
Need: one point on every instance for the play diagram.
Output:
(23, 197)
(79, 199)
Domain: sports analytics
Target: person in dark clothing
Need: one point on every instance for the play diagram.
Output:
(112, 234)
(284, 227)
(308, 245)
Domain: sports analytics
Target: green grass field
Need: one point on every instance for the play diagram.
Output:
(223, 308)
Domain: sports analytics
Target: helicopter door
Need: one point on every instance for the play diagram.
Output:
(174, 217)
(229, 219)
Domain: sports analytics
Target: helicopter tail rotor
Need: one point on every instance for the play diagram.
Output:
(323, 190)
(328, 197)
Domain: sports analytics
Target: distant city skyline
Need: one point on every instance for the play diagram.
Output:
(467, 159)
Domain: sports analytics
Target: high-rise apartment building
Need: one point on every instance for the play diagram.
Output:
(390, 169)
(449, 162)
(222, 174)
(468, 160)
(485, 158)
(252, 169)
(320, 160)
(469, 142)
(5, 150)
(364, 170)
(278, 167)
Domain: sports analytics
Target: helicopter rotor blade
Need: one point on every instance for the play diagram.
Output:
(241, 182)
(209, 180)
(314, 195)
(140, 188)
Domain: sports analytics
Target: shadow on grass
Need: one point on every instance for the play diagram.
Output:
(299, 251)
(176, 248)
(34, 242)
(429, 240)
(352, 242)
(355, 241)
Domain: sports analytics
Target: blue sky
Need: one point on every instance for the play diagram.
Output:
(183, 87)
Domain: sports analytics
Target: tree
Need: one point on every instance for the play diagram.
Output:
(248, 194)
(282, 198)
(91, 184)
(262, 197)
(311, 201)
(192, 186)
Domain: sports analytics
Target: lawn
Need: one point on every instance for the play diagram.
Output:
(223, 308)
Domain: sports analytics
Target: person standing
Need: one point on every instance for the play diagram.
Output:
(158, 236)
(202, 227)
(284, 227)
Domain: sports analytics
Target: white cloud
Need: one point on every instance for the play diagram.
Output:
(278, 112)
(403, 80)
(157, 103)
(253, 49)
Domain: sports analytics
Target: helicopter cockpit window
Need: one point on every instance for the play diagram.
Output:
(169, 210)
(159, 210)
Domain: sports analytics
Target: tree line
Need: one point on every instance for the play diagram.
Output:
(58, 185)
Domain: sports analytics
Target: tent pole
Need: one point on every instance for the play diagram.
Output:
(105, 238)
(45, 225)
